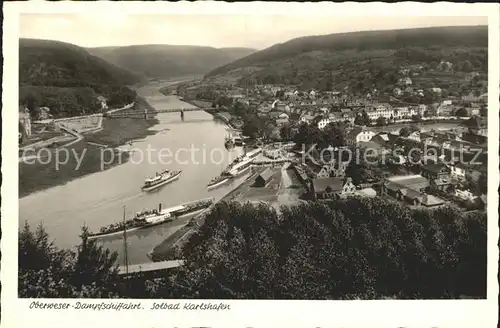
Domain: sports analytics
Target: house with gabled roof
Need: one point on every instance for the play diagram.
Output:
(435, 171)
(359, 134)
(332, 188)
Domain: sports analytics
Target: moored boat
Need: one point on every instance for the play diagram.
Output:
(141, 220)
(241, 167)
(192, 207)
(150, 218)
(254, 153)
(161, 179)
(219, 180)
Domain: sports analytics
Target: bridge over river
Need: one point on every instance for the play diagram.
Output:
(145, 114)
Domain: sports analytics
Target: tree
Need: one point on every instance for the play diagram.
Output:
(482, 184)
(416, 118)
(484, 111)
(239, 109)
(362, 119)
(280, 94)
(286, 132)
(414, 128)
(466, 66)
(335, 251)
(404, 132)
(94, 265)
(46, 271)
(381, 121)
(356, 248)
(252, 127)
(462, 112)
(307, 135)
(31, 102)
(334, 135)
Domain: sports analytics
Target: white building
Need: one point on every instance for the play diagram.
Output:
(401, 112)
(384, 110)
(458, 171)
(359, 134)
(421, 109)
(323, 123)
(465, 194)
(415, 136)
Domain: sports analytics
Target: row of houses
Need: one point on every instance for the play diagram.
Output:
(350, 114)
(333, 111)
(411, 189)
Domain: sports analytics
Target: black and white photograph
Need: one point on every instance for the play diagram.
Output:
(252, 157)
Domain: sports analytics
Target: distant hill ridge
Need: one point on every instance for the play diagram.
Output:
(446, 37)
(56, 63)
(166, 61)
(68, 80)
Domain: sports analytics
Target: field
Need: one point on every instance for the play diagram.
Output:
(115, 132)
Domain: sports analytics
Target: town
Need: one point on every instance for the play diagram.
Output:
(452, 171)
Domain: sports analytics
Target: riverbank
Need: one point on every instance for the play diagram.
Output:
(282, 188)
(84, 158)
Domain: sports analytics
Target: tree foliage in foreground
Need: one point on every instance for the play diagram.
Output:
(358, 248)
(48, 272)
(350, 249)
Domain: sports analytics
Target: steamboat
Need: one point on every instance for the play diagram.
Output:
(153, 217)
(242, 166)
(161, 179)
(219, 180)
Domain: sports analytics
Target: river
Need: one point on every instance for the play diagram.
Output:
(98, 199)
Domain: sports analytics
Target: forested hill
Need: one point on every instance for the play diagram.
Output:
(169, 60)
(310, 58)
(67, 79)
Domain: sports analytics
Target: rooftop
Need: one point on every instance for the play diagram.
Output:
(335, 184)
(267, 174)
(408, 181)
(154, 266)
(367, 192)
(435, 168)
(431, 200)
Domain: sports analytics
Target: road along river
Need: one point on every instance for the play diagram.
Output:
(97, 200)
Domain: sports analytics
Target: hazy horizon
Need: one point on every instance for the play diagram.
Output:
(217, 31)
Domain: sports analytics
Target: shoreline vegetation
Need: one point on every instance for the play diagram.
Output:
(38, 177)
(336, 251)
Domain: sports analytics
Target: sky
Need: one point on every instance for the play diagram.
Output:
(218, 31)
